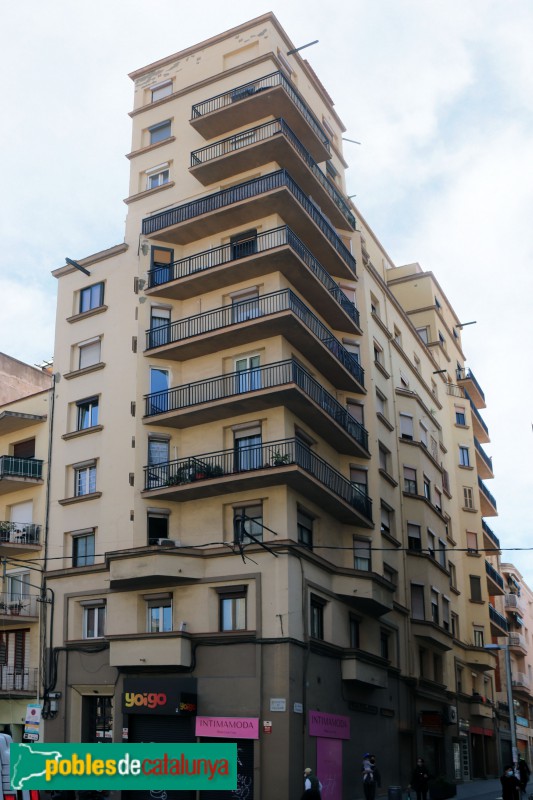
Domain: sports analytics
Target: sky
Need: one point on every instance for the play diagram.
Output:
(438, 92)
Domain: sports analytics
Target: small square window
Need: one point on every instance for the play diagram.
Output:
(91, 297)
(83, 549)
(158, 179)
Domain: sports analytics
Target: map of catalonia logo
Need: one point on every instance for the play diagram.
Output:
(124, 766)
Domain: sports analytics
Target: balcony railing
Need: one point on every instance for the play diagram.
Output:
(252, 87)
(262, 243)
(20, 533)
(498, 618)
(487, 459)
(467, 375)
(247, 191)
(253, 380)
(517, 640)
(18, 680)
(476, 413)
(13, 467)
(490, 534)
(494, 574)
(241, 460)
(265, 305)
(24, 605)
(520, 679)
(488, 495)
(455, 391)
(514, 602)
(262, 133)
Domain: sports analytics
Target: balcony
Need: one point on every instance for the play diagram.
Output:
(479, 658)
(272, 141)
(491, 541)
(495, 585)
(353, 669)
(514, 603)
(498, 623)
(21, 536)
(517, 642)
(286, 383)
(467, 379)
(483, 461)
(276, 314)
(19, 473)
(17, 609)
(287, 461)
(273, 193)
(366, 592)
(431, 634)
(481, 430)
(159, 650)
(481, 708)
(18, 680)
(154, 567)
(13, 421)
(274, 250)
(487, 501)
(271, 95)
(520, 681)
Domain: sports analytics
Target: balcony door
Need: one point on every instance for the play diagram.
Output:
(159, 384)
(248, 375)
(161, 266)
(159, 326)
(158, 458)
(21, 522)
(248, 451)
(245, 306)
(244, 244)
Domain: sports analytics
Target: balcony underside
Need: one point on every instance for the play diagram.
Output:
(291, 475)
(481, 710)
(486, 507)
(271, 102)
(283, 323)
(154, 568)
(470, 385)
(280, 259)
(479, 658)
(353, 669)
(484, 468)
(279, 150)
(11, 421)
(279, 201)
(480, 432)
(493, 587)
(431, 634)
(158, 650)
(497, 629)
(13, 483)
(289, 395)
(365, 594)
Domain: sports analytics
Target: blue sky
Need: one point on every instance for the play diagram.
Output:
(439, 93)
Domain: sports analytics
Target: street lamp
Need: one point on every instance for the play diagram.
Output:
(512, 724)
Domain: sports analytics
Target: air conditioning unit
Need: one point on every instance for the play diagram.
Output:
(168, 542)
(451, 715)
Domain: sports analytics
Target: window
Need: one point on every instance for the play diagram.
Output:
(159, 613)
(442, 340)
(381, 403)
(422, 661)
(248, 451)
(161, 90)
(157, 523)
(87, 413)
(455, 626)
(431, 544)
(437, 303)
(386, 519)
(437, 668)
(157, 178)
(91, 297)
(159, 385)
(384, 638)
(24, 449)
(355, 410)
(361, 554)
(404, 380)
(83, 549)
(304, 525)
(159, 132)
(423, 333)
(159, 326)
(354, 350)
(397, 336)
(406, 427)
(409, 480)
(248, 520)
(479, 637)
(434, 449)
(453, 575)
(378, 354)
(317, 617)
(435, 606)
(390, 574)
(355, 631)
(468, 497)
(460, 415)
(384, 458)
(84, 480)
(475, 588)
(18, 586)
(416, 361)
(94, 621)
(417, 602)
(359, 479)
(232, 608)
(244, 244)
(471, 541)
(158, 461)
(427, 488)
(89, 354)
(245, 306)
(464, 457)
(423, 435)
(248, 375)
(441, 553)
(445, 613)
(438, 499)
(374, 305)
(161, 260)
(414, 537)
(349, 291)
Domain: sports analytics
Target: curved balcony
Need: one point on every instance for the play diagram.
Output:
(270, 95)
(467, 379)
(495, 583)
(273, 193)
(18, 473)
(286, 383)
(481, 430)
(483, 461)
(487, 501)
(271, 141)
(287, 461)
(275, 314)
(498, 623)
(431, 634)
(278, 249)
(20, 536)
(492, 543)
(517, 642)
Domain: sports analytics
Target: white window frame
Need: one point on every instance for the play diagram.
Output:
(89, 470)
(98, 611)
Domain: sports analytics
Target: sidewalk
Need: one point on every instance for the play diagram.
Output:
(480, 790)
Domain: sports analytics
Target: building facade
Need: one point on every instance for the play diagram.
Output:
(267, 502)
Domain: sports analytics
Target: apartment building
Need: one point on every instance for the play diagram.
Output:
(267, 503)
(24, 456)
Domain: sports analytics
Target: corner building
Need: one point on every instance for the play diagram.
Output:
(249, 507)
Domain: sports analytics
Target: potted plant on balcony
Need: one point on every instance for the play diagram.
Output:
(278, 459)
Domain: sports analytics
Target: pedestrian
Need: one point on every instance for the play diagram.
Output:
(510, 784)
(420, 780)
(370, 776)
(312, 786)
(524, 773)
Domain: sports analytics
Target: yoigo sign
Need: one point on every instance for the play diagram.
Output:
(173, 766)
(159, 696)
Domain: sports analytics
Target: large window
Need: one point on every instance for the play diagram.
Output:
(91, 297)
(244, 244)
(248, 452)
(84, 480)
(232, 608)
(157, 526)
(87, 416)
(83, 549)
(248, 520)
(161, 259)
(248, 375)
(245, 306)
(159, 614)
(158, 458)
(94, 621)
(159, 384)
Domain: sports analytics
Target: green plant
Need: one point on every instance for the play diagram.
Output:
(278, 458)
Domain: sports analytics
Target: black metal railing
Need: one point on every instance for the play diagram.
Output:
(262, 133)
(19, 532)
(247, 191)
(487, 459)
(498, 618)
(467, 375)
(18, 680)
(253, 380)
(494, 574)
(490, 534)
(24, 605)
(262, 306)
(259, 85)
(13, 467)
(490, 497)
(243, 459)
(476, 413)
(261, 243)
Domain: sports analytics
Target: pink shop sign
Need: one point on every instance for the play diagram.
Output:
(329, 726)
(228, 727)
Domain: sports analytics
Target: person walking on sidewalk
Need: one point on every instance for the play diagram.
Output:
(420, 780)
(510, 784)
(524, 773)
(312, 786)
(370, 775)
